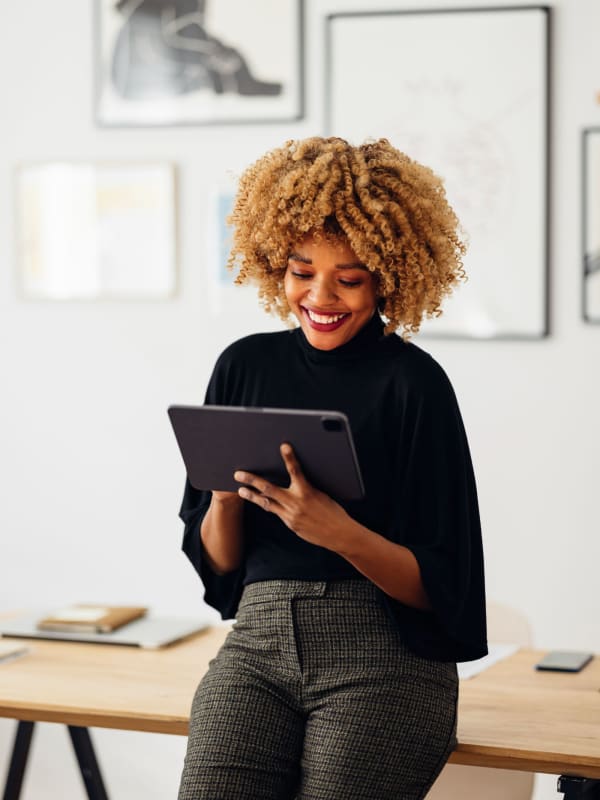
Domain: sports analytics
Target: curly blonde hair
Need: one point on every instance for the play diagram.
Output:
(391, 210)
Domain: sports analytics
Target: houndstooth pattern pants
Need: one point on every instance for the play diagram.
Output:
(314, 696)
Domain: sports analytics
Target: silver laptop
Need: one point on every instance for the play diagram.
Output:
(148, 632)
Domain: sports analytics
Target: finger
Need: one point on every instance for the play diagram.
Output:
(291, 463)
(250, 479)
(266, 503)
(260, 484)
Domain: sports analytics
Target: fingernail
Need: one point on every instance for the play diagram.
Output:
(238, 476)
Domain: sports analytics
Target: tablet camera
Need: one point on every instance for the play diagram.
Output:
(331, 425)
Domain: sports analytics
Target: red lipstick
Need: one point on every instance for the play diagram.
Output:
(325, 327)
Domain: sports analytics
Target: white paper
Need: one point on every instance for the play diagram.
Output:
(467, 669)
(89, 614)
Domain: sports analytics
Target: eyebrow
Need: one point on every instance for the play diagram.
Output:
(305, 260)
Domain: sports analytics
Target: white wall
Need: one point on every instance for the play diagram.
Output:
(91, 478)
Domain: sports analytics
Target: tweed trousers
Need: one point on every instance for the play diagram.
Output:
(314, 696)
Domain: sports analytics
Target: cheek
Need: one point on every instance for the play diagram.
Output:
(290, 290)
(371, 294)
(367, 301)
(286, 288)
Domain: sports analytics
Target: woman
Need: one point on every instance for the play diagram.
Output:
(339, 679)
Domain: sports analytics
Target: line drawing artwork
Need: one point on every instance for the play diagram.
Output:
(462, 101)
(480, 176)
(472, 152)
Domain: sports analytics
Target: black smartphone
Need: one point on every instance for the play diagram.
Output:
(564, 661)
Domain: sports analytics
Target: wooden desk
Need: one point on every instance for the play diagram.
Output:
(510, 716)
(513, 717)
(107, 686)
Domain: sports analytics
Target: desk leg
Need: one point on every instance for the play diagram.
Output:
(18, 761)
(90, 771)
(579, 788)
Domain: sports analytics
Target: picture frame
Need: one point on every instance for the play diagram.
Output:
(223, 200)
(198, 62)
(464, 91)
(96, 230)
(224, 295)
(590, 161)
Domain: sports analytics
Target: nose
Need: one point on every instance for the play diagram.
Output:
(322, 292)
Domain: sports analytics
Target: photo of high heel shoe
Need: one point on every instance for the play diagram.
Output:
(187, 61)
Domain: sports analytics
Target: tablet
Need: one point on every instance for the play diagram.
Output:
(215, 441)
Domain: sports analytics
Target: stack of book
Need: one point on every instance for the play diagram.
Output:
(90, 618)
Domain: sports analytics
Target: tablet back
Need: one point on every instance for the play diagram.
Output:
(217, 440)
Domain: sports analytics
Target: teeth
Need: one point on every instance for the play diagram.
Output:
(322, 319)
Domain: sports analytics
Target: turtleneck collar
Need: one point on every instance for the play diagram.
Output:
(364, 341)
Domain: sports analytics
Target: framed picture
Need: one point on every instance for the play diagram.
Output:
(96, 230)
(591, 225)
(191, 62)
(224, 207)
(225, 296)
(465, 92)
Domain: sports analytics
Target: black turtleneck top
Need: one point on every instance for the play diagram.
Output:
(416, 467)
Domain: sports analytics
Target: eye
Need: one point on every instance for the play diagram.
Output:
(350, 284)
(302, 275)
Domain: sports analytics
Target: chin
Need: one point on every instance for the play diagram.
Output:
(324, 341)
(323, 345)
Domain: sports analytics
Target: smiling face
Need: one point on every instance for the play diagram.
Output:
(330, 292)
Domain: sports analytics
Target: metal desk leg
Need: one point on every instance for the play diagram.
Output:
(579, 788)
(90, 771)
(18, 761)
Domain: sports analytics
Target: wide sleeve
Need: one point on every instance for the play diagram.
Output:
(436, 516)
(222, 592)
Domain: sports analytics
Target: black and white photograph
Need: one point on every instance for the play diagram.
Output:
(177, 62)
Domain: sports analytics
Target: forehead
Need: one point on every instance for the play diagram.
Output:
(326, 246)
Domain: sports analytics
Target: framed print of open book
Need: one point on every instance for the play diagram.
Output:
(90, 231)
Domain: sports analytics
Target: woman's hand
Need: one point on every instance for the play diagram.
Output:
(318, 519)
(311, 514)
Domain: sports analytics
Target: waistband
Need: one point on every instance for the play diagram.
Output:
(284, 589)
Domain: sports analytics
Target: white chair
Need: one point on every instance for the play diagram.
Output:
(505, 625)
